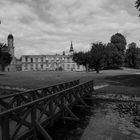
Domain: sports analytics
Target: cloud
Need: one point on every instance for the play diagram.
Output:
(48, 26)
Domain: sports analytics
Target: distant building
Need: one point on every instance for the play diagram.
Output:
(9, 47)
(50, 62)
(40, 62)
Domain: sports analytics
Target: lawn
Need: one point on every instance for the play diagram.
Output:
(120, 81)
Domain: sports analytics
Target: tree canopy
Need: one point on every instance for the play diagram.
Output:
(5, 58)
(82, 58)
(97, 56)
(119, 41)
(137, 5)
(113, 59)
(110, 56)
(132, 56)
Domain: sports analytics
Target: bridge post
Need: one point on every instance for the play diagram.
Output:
(5, 128)
(51, 111)
(33, 119)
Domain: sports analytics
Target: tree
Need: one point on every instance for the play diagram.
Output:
(5, 58)
(97, 55)
(137, 5)
(82, 58)
(113, 59)
(119, 41)
(132, 56)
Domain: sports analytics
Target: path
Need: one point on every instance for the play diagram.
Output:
(100, 86)
(107, 124)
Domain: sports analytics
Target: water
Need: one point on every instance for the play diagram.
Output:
(105, 121)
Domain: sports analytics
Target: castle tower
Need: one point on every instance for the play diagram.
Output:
(10, 43)
(71, 51)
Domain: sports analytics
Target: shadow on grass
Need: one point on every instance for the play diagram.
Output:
(2, 74)
(131, 80)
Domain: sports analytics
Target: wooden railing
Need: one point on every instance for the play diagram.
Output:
(17, 99)
(27, 120)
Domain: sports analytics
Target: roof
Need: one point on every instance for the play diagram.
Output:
(10, 36)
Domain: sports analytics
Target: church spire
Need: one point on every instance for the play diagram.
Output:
(71, 51)
(71, 47)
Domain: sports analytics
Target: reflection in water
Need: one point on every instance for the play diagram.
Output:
(105, 121)
(112, 121)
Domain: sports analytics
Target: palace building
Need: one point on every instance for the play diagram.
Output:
(40, 62)
(51, 62)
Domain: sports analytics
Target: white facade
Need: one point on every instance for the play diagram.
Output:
(49, 62)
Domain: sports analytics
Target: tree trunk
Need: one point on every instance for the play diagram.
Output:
(3, 68)
(97, 71)
(87, 67)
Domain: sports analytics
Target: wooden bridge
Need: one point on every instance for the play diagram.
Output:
(24, 115)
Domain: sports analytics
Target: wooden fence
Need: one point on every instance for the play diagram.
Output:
(17, 99)
(25, 121)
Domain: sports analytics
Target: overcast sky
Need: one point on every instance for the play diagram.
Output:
(48, 26)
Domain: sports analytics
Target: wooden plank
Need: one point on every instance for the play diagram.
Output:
(42, 131)
(20, 121)
(73, 116)
(5, 104)
(33, 118)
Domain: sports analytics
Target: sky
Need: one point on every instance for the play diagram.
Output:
(48, 26)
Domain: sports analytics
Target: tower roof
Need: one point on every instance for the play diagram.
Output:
(10, 36)
(71, 47)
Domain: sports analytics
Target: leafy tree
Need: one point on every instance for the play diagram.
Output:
(137, 5)
(5, 58)
(119, 41)
(78, 57)
(132, 56)
(113, 59)
(97, 55)
(82, 58)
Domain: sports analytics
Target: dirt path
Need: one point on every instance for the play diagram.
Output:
(101, 86)
(107, 124)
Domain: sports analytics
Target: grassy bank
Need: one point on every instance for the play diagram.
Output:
(119, 81)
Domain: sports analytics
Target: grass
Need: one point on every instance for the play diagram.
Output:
(128, 84)
(119, 81)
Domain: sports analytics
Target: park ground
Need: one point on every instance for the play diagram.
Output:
(124, 81)
(104, 120)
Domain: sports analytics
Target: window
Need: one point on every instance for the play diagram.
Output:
(26, 59)
(73, 66)
(68, 59)
(36, 66)
(68, 66)
(31, 60)
(31, 66)
(36, 59)
(41, 59)
(26, 66)
(41, 66)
